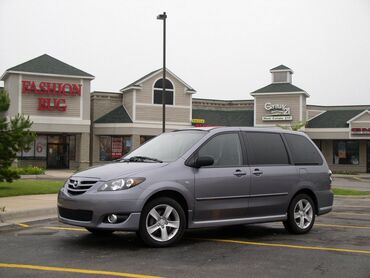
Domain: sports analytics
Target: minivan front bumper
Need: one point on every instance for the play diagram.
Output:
(91, 209)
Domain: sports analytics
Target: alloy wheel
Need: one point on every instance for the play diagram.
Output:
(162, 222)
(303, 213)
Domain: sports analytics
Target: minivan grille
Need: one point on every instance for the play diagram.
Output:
(79, 186)
(75, 214)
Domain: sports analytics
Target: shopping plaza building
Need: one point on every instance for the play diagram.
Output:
(77, 128)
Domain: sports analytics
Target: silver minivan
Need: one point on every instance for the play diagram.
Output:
(202, 177)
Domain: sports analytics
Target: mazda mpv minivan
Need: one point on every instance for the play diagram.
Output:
(202, 177)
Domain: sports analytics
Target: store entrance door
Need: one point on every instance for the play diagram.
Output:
(57, 156)
(368, 155)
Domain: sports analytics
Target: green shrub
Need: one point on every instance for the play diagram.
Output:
(29, 170)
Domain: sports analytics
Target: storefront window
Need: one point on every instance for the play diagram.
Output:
(40, 146)
(72, 147)
(346, 152)
(114, 147)
(105, 148)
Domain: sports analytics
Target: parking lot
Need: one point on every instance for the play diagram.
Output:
(338, 246)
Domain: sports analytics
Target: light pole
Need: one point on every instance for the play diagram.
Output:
(164, 17)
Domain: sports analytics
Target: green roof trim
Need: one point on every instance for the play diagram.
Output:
(333, 119)
(281, 67)
(278, 88)
(49, 65)
(224, 118)
(117, 115)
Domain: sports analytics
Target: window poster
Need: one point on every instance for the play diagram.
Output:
(116, 147)
(105, 148)
(30, 153)
(40, 146)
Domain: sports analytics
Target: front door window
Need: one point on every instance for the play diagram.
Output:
(57, 156)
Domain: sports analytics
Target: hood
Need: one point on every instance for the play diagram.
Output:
(118, 170)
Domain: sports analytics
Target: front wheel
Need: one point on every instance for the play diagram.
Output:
(162, 222)
(301, 215)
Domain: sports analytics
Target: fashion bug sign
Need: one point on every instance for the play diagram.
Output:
(51, 95)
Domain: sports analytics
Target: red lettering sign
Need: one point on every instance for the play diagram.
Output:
(51, 89)
(360, 130)
(55, 104)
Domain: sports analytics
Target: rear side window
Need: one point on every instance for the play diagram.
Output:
(266, 149)
(225, 149)
(302, 150)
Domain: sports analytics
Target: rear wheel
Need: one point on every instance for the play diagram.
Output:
(162, 222)
(301, 215)
(99, 232)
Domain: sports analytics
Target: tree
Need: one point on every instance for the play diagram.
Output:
(294, 126)
(15, 135)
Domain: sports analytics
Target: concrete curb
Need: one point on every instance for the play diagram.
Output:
(24, 215)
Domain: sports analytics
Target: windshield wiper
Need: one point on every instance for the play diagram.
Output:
(140, 159)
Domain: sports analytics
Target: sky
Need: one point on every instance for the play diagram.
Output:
(223, 49)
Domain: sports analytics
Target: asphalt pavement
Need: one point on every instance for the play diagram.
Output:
(338, 246)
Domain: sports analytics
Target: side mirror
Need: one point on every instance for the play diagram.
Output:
(203, 161)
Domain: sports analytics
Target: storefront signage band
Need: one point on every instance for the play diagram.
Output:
(360, 130)
(51, 89)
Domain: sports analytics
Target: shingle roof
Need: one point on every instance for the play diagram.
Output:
(225, 118)
(281, 67)
(278, 88)
(48, 64)
(333, 119)
(117, 115)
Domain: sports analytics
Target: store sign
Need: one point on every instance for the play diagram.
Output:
(198, 121)
(116, 147)
(51, 94)
(360, 130)
(277, 112)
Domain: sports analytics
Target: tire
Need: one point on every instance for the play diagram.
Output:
(99, 232)
(162, 222)
(301, 215)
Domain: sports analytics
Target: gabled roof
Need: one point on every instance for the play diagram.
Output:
(137, 83)
(281, 67)
(333, 119)
(358, 116)
(46, 64)
(279, 88)
(224, 117)
(117, 115)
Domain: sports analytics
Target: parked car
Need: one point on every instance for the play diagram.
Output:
(202, 177)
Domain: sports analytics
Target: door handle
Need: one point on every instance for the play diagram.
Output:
(257, 172)
(239, 173)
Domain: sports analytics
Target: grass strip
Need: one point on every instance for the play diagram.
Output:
(349, 192)
(29, 187)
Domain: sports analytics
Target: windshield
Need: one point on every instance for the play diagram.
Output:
(168, 146)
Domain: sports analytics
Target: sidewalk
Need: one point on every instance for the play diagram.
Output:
(26, 208)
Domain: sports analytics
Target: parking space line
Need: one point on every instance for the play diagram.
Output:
(342, 226)
(350, 206)
(317, 248)
(350, 213)
(66, 229)
(23, 225)
(75, 270)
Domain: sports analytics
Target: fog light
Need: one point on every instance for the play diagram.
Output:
(112, 218)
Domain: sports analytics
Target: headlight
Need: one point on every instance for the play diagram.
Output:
(120, 184)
